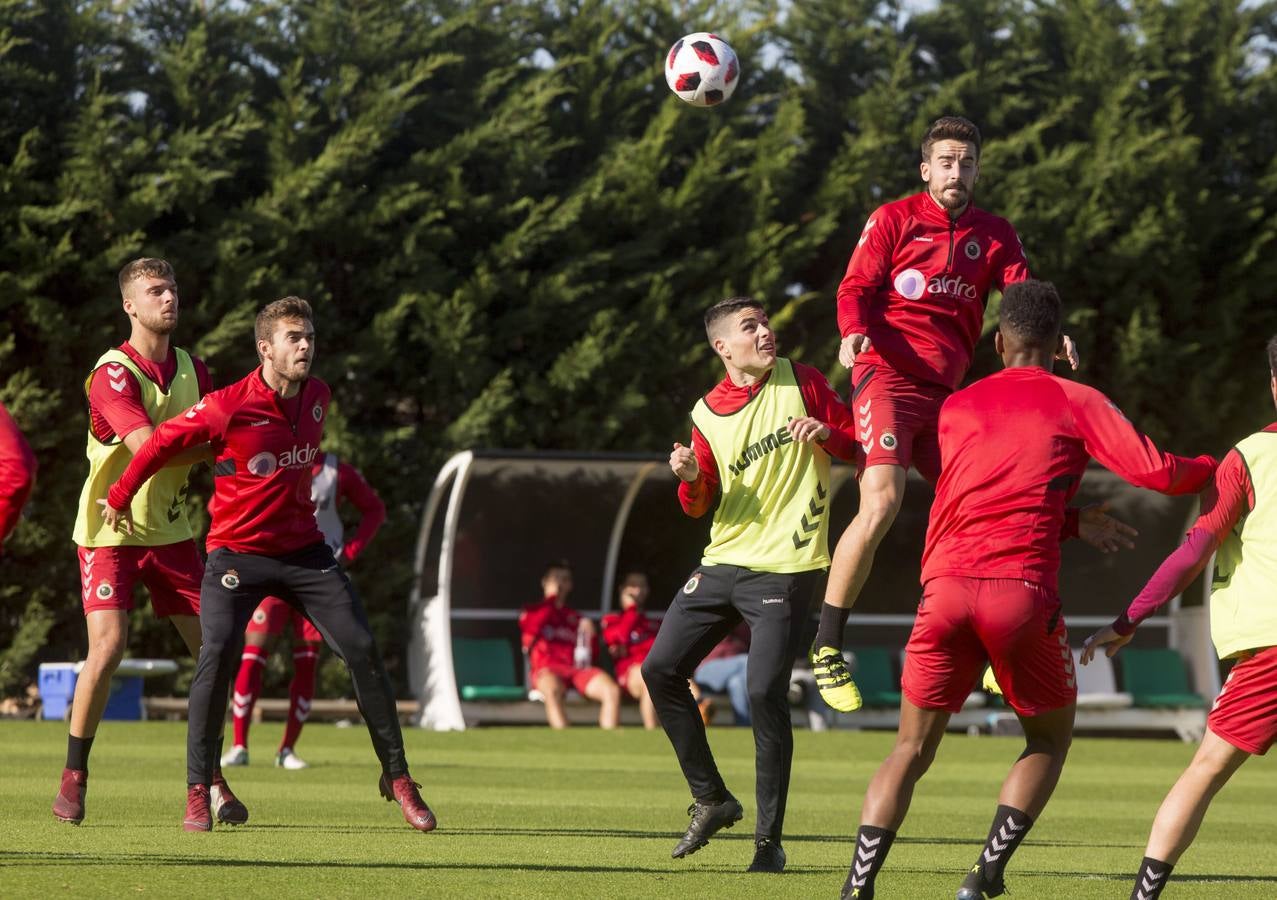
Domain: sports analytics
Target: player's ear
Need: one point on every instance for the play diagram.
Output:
(999, 345)
(924, 168)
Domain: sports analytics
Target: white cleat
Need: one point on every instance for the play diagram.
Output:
(287, 759)
(236, 756)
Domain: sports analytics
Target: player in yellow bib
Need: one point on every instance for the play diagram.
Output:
(131, 389)
(761, 446)
(1238, 526)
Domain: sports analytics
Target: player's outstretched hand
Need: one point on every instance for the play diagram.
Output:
(852, 346)
(683, 463)
(1107, 638)
(808, 429)
(1069, 352)
(1102, 531)
(118, 519)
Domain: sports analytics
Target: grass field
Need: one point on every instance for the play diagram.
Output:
(531, 813)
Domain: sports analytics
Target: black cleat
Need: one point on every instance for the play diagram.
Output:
(707, 819)
(976, 888)
(769, 856)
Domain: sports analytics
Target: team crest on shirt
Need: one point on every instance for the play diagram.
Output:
(259, 616)
(106, 591)
(888, 441)
(317, 412)
(692, 583)
(972, 249)
(230, 580)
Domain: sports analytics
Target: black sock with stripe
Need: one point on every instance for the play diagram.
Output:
(1010, 825)
(1152, 877)
(872, 845)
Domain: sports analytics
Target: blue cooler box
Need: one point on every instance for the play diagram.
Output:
(57, 688)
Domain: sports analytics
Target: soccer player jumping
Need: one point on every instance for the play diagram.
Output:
(910, 310)
(263, 540)
(1013, 447)
(1238, 525)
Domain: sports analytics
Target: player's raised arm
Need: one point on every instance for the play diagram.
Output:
(198, 425)
(1123, 449)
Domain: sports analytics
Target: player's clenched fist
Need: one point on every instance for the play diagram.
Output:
(683, 463)
(808, 429)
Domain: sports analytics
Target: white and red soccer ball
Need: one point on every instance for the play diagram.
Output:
(702, 69)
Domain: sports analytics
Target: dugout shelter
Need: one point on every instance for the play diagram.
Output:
(495, 518)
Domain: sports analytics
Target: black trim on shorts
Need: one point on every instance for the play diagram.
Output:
(864, 383)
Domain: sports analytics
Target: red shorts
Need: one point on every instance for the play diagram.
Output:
(273, 614)
(577, 678)
(896, 418)
(171, 572)
(1015, 625)
(1245, 712)
(625, 664)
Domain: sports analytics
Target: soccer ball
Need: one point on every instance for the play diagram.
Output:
(702, 69)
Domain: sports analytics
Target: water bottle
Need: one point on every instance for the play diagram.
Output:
(581, 657)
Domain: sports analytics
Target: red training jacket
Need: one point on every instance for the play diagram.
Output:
(629, 635)
(264, 446)
(917, 283)
(1013, 448)
(822, 402)
(549, 634)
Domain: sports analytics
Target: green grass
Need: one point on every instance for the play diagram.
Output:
(531, 813)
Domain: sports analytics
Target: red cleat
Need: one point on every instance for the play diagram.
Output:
(198, 816)
(404, 791)
(68, 806)
(226, 806)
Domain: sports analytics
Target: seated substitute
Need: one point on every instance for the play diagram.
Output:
(560, 643)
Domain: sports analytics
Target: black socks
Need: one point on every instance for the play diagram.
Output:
(1010, 825)
(872, 845)
(1152, 877)
(78, 752)
(833, 621)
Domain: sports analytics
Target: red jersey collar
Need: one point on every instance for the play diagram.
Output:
(938, 214)
(727, 397)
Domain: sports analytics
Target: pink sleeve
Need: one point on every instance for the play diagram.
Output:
(867, 271)
(1117, 445)
(697, 497)
(1228, 497)
(200, 424)
(372, 512)
(824, 404)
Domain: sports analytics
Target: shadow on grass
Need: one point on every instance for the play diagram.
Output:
(55, 860)
(1014, 875)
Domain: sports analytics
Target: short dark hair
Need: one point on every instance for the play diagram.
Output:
(1272, 355)
(284, 308)
(555, 564)
(950, 128)
(1031, 311)
(726, 307)
(146, 267)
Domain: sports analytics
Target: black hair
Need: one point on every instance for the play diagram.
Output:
(724, 308)
(1031, 311)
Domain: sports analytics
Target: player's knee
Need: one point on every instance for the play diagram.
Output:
(106, 651)
(656, 674)
(357, 648)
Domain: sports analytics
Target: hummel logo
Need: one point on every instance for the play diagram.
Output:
(259, 422)
(864, 407)
(925, 240)
(771, 600)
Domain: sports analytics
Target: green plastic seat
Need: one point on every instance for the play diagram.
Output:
(1157, 678)
(485, 669)
(875, 676)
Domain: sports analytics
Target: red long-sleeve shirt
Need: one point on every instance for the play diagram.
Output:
(17, 472)
(822, 402)
(917, 283)
(629, 634)
(1013, 448)
(115, 397)
(549, 633)
(1229, 496)
(264, 446)
(352, 487)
